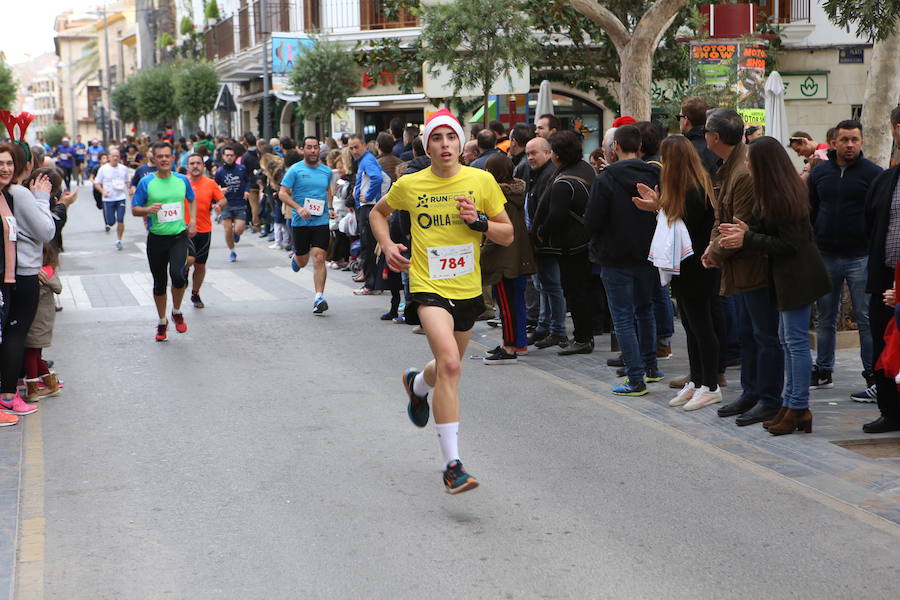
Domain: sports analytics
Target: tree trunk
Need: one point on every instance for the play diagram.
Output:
(881, 96)
(636, 72)
(486, 117)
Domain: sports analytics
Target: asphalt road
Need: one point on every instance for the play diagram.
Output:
(266, 454)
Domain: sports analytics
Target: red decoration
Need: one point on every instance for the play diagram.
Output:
(23, 120)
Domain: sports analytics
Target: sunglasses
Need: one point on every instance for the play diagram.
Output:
(796, 139)
(681, 116)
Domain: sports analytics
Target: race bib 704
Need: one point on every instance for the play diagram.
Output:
(170, 212)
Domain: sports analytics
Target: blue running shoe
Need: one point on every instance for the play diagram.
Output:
(232, 256)
(457, 480)
(654, 375)
(417, 409)
(319, 306)
(294, 266)
(237, 238)
(630, 389)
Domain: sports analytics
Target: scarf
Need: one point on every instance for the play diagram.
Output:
(9, 244)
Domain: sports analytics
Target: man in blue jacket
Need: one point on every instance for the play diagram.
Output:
(371, 184)
(234, 179)
(837, 195)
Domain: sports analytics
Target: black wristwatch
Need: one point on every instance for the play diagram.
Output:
(479, 224)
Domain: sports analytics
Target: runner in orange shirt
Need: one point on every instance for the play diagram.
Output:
(206, 191)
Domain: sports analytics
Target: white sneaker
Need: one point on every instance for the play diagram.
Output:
(703, 397)
(686, 393)
(274, 246)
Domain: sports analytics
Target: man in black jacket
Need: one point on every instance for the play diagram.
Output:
(837, 195)
(883, 226)
(620, 243)
(250, 160)
(551, 321)
(691, 121)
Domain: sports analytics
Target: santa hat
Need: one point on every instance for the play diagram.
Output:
(444, 118)
(624, 120)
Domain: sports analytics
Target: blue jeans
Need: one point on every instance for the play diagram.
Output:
(762, 358)
(552, 316)
(855, 272)
(730, 311)
(793, 331)
(113, 212)
(664, 314)
(629, 292)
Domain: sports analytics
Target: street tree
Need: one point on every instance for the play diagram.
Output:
(324, 76)
(878, 22)
(8, 86)
(196, 87)
(124, 101)
(155, 94)
(636, 40)
(54, 134)
(477, 42)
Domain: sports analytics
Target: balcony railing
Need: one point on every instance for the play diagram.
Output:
(785, 11)
(277, 17)
(220, 39)
(244, 28)
(373, 15)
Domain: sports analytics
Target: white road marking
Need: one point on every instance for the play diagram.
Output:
(73, 295)
(140, 285)
(304, 279)
(235, 287)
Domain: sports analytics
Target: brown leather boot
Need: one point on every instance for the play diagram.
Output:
(33, 390)
(677, 384)
(52, 382)
(776, 419)
(793, 420)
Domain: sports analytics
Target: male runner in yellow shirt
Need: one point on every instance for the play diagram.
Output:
(451, 206)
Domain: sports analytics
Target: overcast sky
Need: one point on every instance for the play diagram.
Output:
(33, 33)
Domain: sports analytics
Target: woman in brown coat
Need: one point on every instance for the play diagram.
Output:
(39, 380)
(505, 267)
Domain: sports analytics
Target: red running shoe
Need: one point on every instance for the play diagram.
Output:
(161, 332)
(180, 325)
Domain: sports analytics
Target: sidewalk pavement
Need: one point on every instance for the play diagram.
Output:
(10, 473)
(837, 459)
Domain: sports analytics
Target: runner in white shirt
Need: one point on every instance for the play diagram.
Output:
(112, 181)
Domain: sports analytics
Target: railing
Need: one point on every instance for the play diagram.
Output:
(785, 11)
(277, 17)
(244, 28)
(373, 15)
(220, 39)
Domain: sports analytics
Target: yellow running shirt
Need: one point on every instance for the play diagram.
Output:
(445, 252)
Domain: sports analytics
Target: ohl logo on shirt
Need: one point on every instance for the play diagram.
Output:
(431, 203)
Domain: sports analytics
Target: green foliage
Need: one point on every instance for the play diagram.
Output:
(165, 40)
(211, 11)
(873, 20)
(475, 41)
(124, 101)
(389, 62)
(324, 76)
(155, 94)
(186, 27)
(8, 86)
(196, 87)
(54, 134)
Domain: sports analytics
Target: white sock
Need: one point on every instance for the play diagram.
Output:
(420, 386)
(163, 321)
(319, 296)
(176, 312)
(448, 437)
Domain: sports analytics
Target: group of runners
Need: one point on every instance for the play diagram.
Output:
(451, 207)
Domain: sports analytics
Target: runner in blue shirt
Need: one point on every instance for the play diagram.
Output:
(306, 188)
(235, 182)
(80, 155)
(65, 160)
(93, 153)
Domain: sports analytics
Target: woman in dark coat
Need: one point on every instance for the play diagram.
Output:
(797, 274)
(505, 268)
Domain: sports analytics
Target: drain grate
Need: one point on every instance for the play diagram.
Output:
(873, 448)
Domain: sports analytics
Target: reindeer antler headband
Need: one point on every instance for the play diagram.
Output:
(23, 120)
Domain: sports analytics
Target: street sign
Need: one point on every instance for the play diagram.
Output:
(806, 86)
(225, 101)
(851, 56)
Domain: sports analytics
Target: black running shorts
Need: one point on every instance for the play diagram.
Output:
(464, 312)
(306, 237)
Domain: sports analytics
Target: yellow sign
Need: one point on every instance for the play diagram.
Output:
(753, 116)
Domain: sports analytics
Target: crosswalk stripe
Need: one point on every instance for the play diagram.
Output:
(140, 286)
(235, 287)
(73, 295)
(305, 280)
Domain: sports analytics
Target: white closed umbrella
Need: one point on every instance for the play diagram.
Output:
(776, 115)
(544, 100)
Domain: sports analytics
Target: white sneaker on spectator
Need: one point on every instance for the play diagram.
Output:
(703, 397)
(684, 396)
